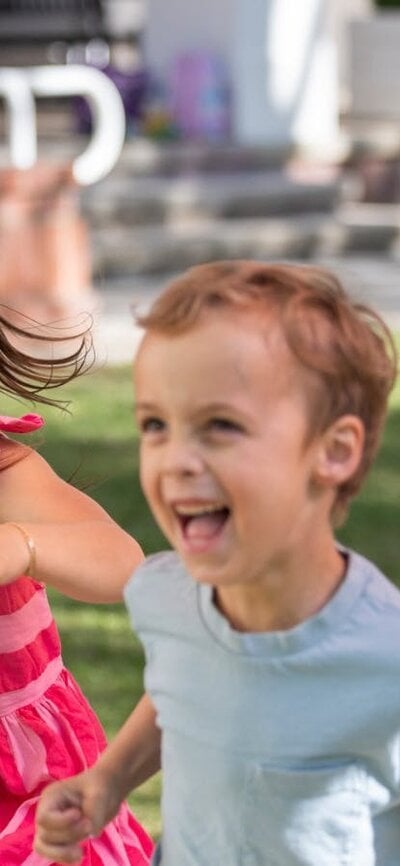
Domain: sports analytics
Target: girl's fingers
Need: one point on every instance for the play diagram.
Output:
(54, 819)
(59, 798)
(61, 836)
(62, 830)
(64, 854)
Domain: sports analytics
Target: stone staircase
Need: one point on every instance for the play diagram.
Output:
(191, 203)
(167, 206)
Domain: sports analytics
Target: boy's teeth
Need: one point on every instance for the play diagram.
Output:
(200, 523)
(192, 511)
(203, 526)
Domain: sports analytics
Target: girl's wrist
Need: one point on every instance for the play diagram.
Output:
(15, 552)
(30, 549)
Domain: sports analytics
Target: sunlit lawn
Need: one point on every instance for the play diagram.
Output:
(97, 445)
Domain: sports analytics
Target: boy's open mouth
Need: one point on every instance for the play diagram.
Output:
(203, 522)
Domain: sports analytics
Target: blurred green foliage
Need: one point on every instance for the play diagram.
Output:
(387, 4)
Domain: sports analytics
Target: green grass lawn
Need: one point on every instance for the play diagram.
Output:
(96, 446)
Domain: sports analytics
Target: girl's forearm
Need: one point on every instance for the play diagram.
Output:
(90, 560)
(135, 753)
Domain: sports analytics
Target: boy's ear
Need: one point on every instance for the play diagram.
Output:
(339, 451)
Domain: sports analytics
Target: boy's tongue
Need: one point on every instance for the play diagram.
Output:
(204, 525)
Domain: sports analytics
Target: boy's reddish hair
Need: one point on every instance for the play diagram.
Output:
(346, 344)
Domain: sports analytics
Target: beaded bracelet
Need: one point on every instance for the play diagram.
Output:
(31, 567)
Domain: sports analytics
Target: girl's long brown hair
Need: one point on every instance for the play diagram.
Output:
(36, 358)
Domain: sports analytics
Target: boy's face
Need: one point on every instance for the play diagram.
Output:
(223, 418)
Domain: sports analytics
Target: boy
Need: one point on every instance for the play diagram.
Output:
(272, 654)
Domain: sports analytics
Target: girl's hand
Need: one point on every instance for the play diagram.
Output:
(72, 811)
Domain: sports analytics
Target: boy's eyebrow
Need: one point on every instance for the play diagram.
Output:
(143, 406)
(218, 407)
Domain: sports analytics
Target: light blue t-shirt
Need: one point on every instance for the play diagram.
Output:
(280, 748)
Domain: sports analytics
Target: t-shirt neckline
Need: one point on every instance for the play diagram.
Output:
(300, 637)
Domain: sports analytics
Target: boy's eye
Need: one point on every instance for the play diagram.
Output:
(224, 425)
(151, 425)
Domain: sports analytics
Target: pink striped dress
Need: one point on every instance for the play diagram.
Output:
(48, 730)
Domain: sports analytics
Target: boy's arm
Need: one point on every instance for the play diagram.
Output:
(71, 811)
(135, 753)
(79, 549)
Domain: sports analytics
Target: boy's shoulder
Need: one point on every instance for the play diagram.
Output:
(162, 582)
(165, 567)
(377, 584)
(380, 599)
(165, 564)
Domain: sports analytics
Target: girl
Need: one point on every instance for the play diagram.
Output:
(47, 728)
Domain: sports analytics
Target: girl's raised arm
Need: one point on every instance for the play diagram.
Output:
(77, 547)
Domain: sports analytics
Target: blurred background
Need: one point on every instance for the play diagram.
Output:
(268, 130)
(138, 137)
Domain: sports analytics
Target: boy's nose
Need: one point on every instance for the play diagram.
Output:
(182, 458)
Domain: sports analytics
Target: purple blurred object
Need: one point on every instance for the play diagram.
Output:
(132, 87)
(200, 104)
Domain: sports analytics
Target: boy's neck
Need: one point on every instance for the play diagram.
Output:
(285, 598)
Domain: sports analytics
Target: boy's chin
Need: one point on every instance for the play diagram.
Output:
(209, 573)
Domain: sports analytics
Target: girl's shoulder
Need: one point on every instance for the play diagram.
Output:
(11, 452)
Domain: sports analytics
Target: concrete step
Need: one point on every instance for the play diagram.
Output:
(147, 250)
(59, 141)
(143, 156)
(155, 199)
(158, 249)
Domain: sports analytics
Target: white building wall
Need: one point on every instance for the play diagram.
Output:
(285, 74)
(285, 59)
(175, 26)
